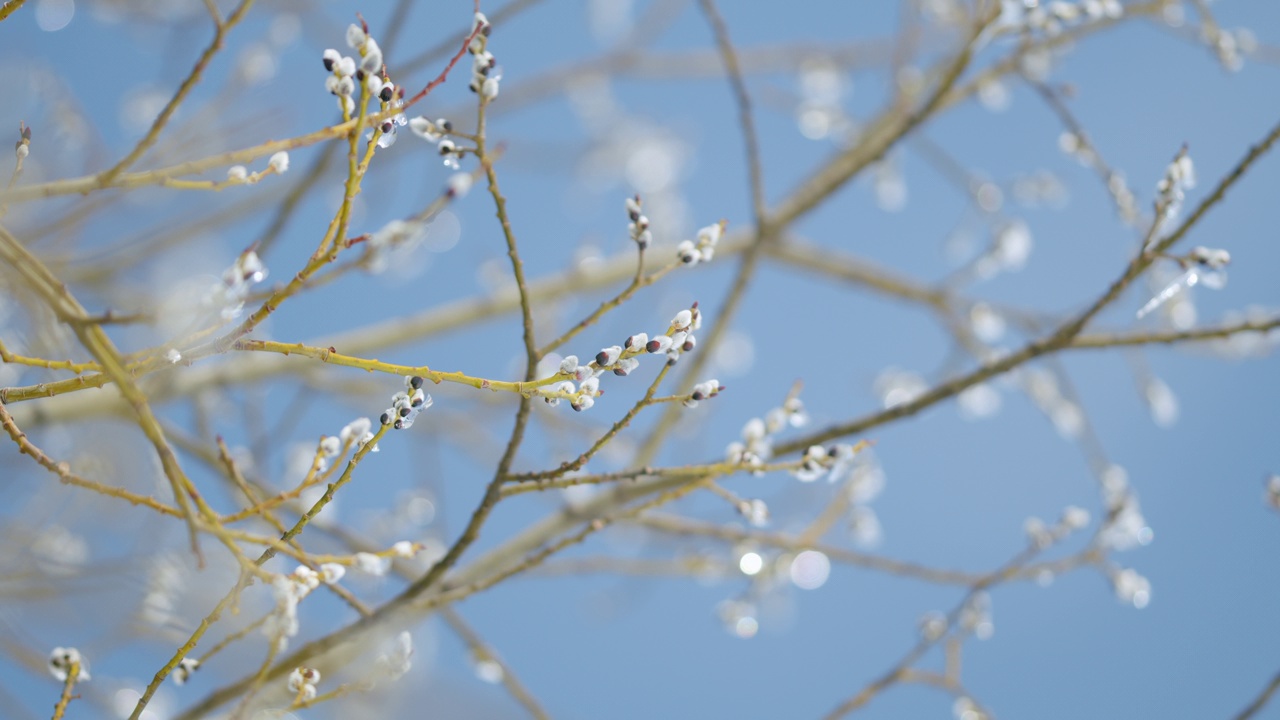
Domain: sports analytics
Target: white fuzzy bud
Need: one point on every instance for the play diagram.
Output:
(355, 36)
(279, 162)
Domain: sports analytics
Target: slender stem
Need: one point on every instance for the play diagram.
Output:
(221, 27)
(1259, 702)
(73, 674)
(9, 8)
(482, 650)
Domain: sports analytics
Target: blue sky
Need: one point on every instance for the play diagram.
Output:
(957, 491)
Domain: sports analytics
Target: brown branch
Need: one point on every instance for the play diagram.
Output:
(1261, 700)
(1060, 338)
(482, 650)
(221, 28)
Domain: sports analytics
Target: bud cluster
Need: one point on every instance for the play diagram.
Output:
(437, 131)
(229, 294)
(485, 73)
(62, 659)
(23, 146)
(406, 404)
(1179, 177)
(638, 225)
(277, 164)
(622, 359)
(302, 683)
(692, 252)
(1053, 16)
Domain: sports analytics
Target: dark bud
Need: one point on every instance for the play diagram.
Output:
(445, 125)
(399, 424)
(698, 396)
(418, 402)
(833, 451)
(576, 407)
(360, 75)
(404, 412)
(416, 382)
(687, 346)
(328, 64)
(386, 94)
(602, 358)
(633, 215)
(385, 419)
(671, 361)
(652, 346)
(387, 127)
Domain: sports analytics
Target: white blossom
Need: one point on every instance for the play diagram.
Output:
(182, 672)
(609, 355)
(397, 662)
(688, 253)
(755, 511)
(659, 344)
(371, 62)
(424, 129)
(303, 681)
(1132, 588)
(625, 366)
(459, 184)
(279, 162)
(355, 36)
(1075, 518)
(1212, 257)
(331, 573)
(372, 564)
(933, 626)
(356, 431)
(61, 660)
(306, 577)
(1037, 532)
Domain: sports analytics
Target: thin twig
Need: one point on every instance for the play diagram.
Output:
(73, 674)
(1259, 702)
(482, 651)
(221, 27)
